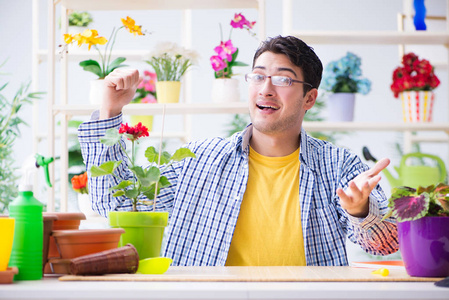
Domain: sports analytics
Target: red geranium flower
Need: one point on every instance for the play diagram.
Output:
(79, 183)
(414, 75)
(134, 133)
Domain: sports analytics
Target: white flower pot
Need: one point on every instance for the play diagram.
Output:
(225, 90)
(85, 206)
(96, 91)
(340, 107)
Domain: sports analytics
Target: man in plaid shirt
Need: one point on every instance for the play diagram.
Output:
(269, 195)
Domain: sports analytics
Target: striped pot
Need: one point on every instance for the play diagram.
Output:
(417, 106)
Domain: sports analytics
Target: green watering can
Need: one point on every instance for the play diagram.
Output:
(414, 175)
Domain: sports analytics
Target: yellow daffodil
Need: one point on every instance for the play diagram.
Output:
(130, 24)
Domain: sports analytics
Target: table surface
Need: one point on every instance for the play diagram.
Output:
(52, 288)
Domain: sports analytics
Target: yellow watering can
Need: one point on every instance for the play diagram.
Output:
(414, 175)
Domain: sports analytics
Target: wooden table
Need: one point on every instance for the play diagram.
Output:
(275, 285)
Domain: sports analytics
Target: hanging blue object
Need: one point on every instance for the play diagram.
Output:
(420, 15)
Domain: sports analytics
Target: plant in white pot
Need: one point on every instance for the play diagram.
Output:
(144, 229)
(104, 66)
(343, 79)
(225, 88)
(423, 228)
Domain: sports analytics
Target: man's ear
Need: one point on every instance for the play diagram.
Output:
(310, 98)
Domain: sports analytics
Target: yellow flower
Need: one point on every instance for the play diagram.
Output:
(68, 38)
(90, 37)
(130, 24)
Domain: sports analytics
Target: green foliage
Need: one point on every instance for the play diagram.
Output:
(408, 204)
(80, 18)
(10, 122)
(146, 181)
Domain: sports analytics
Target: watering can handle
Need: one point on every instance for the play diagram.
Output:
(422, 155)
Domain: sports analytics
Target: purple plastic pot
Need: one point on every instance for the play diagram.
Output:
(424, 245)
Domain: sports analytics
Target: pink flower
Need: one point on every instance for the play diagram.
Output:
(148, 99)
(240, 21)
(149, 81)
(217, 63)
(225, 50)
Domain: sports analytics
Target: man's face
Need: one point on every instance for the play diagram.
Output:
(277, 109)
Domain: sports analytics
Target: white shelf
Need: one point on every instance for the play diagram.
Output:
(375, 126)
(80, 54)
(157, 4)
(157, 109)
(372, 37)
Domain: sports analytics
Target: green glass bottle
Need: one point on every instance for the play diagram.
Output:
(27, 246)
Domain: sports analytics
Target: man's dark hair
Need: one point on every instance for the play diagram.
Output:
(299, 53)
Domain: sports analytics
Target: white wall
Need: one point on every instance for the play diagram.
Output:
(378, 62)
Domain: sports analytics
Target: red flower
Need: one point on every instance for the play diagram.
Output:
(79, 183)
(134, 133)
(413, 75)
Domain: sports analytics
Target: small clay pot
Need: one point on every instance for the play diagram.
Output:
(48, 225)
(121, 260)
(59, 265)
(65, 221)
(75, 243)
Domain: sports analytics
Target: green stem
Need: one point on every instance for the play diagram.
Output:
(113, 43)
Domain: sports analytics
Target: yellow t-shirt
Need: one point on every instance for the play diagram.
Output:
(268, 230)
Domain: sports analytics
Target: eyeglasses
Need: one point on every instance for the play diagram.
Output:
(275, 80)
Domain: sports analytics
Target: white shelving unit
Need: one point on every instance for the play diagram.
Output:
(400, 38)
(58, 105)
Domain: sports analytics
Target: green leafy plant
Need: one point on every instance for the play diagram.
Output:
(171, 61)
(9, 132)
(80, 18)
(408, 204)
(146, 182)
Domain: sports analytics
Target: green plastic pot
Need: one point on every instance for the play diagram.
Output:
(144, 230)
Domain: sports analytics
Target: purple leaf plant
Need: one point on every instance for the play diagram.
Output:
(408, 204)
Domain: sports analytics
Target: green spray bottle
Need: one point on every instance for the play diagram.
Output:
(27, 246)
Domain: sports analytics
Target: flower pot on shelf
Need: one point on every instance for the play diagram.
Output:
(144, 230)
(146, 121)
(417, 106)
(96, 91)
(424, 245)
(225, 90)
(168, 91)
(341, 107)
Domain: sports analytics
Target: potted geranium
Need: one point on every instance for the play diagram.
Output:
(343, 79)
(224, 87)
(144, 229)
(91, 38)
(145, 93)
(423, 228)
(170, 62)
(414, 82)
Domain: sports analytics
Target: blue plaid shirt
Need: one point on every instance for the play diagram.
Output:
(206, 192)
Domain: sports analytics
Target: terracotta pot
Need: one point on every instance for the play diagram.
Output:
(75, 243)
(59, 265)
(65, 221)
(48, 227)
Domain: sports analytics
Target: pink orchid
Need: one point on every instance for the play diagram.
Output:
(149, 81)
(239, 21)
(217, 63)
(225, 50)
